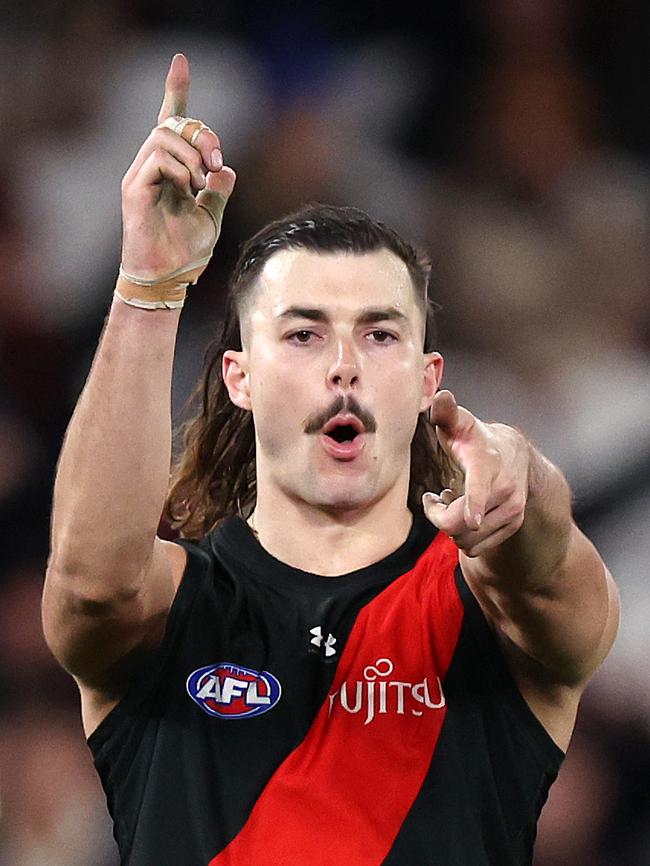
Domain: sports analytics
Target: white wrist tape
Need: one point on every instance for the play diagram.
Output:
(159, 293)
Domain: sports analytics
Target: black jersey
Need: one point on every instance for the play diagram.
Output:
(290, 719)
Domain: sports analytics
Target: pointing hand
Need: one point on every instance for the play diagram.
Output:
(494, 461)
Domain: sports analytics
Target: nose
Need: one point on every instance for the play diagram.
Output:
(344, 370)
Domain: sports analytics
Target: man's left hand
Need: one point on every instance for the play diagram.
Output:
(494, 460)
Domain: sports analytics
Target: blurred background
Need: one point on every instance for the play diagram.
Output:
(509, 138)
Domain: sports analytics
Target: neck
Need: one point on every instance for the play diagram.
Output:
(329, 542)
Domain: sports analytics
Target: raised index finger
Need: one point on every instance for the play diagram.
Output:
(177, 89)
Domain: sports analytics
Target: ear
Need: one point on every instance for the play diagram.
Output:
(234, 369)
(434, 365)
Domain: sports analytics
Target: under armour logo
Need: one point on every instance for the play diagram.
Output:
(318, 641)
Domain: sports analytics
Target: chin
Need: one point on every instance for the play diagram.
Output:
(340, 497)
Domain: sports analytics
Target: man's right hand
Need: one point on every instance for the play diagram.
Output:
(169, 189)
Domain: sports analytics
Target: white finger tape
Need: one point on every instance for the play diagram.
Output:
(172, 122)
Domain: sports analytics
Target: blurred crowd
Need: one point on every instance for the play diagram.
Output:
(507, 137)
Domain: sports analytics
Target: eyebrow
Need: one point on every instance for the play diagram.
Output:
(365, 317)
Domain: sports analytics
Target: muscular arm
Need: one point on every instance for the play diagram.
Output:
(107, 586)
(110, 581)
(546, 588)
(539, 580)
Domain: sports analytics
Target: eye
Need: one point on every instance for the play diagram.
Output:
(382, 337)
(303, 336)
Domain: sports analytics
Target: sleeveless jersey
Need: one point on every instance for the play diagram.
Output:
(290, 719)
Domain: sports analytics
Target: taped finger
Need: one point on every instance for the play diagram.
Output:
(187, 127)
(190, 129)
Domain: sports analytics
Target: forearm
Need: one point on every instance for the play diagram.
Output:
(538, 579)
(546, 588)
(114, 466)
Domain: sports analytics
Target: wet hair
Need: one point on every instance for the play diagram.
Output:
(214, 475)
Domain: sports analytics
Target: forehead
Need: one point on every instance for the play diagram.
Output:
(340, 282)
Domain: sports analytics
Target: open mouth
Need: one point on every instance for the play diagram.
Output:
(343, 437)
(343, 433)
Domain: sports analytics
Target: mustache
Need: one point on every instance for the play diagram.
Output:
(342, 405)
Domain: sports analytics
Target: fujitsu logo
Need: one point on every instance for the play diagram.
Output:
(377, 695)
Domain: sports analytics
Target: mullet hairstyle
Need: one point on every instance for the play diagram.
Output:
(214, 476)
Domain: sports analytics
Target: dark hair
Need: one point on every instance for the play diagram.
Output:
(214, 475)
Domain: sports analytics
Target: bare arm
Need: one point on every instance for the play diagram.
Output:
(108, 496)
(539, 580)
(110, 581)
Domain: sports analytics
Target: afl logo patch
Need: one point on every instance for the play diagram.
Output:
(233, 692)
